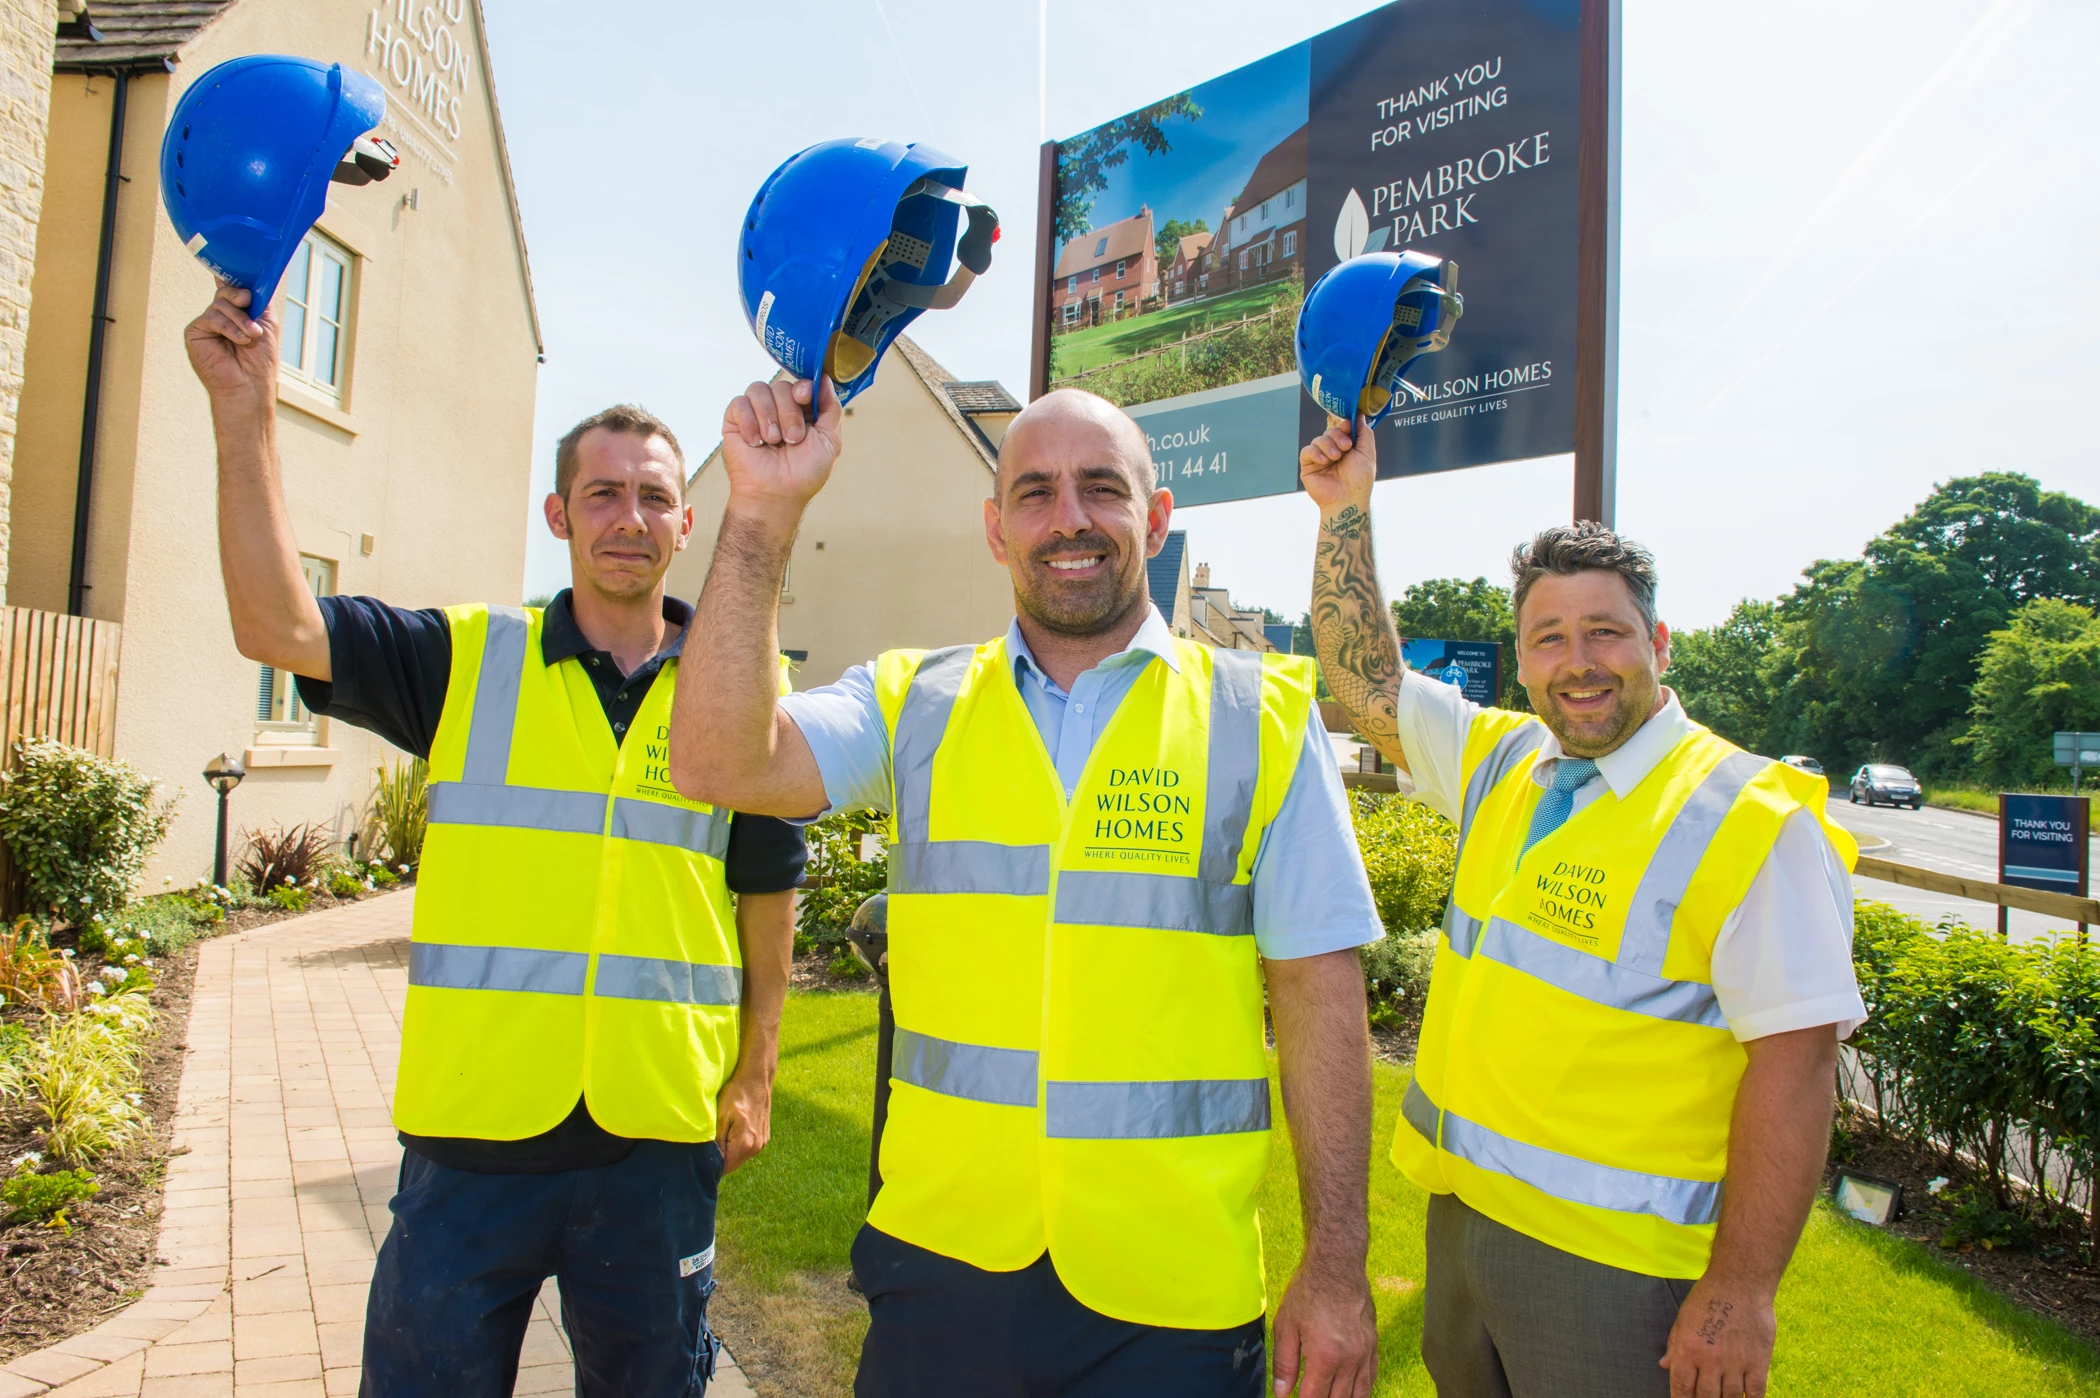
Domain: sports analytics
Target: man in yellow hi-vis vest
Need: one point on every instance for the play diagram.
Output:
(591, 1026)
(1623, 1092)
(1106, 843)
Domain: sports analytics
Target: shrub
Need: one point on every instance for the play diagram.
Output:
(1396, 974)
(1410, 853)
(168, 922)
(45, 1198)
(285, 855)
(31, 973)
(346, 882)
(290, 897)
(399, 812)
(79, 827)
(380, 875)
(842, 879)
(1988, 1051)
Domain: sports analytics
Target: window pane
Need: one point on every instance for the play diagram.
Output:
(293, 345)
(328, 317)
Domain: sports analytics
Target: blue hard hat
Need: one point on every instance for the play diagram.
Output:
(846, 243)
(1366, 321)
(249, 154)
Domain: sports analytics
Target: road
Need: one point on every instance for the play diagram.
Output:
(1953, 842)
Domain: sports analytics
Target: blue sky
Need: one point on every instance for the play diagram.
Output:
(1245, 113)
(1808, 189)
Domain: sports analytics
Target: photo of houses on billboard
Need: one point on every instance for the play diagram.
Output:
(1180, 233)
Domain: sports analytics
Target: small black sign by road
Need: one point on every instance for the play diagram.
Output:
(2043, 844)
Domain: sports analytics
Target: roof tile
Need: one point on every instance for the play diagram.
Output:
(136, 32)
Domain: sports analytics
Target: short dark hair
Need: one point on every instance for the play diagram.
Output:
(1567, 549)
(620, 417)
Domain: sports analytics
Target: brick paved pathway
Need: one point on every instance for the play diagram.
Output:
(277, 1205)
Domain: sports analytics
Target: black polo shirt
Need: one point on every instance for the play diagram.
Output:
(392, 667)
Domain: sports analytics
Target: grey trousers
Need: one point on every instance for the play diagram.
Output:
(1506, 1316)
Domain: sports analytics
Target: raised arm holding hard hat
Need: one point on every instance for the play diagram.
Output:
(592, 1018)
(1104, 840)
(1623, 1092)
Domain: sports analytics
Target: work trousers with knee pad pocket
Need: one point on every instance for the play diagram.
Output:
(631, 1245)
(1506, 1316)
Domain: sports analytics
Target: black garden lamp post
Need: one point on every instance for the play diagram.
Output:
(224, 772)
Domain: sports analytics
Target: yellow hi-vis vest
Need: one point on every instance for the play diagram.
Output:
(1576, 1076)
(1080, 1064)
(573, 929)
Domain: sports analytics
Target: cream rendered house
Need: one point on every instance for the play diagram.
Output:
(404, 419)
(892, 552)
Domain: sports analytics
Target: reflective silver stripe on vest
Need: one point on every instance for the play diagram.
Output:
(1110, 898)
(1599, 981)
(1419, 1112)
(517, 808)
(1510, 749)
(1235, 765)
(679, 982)
(495, 714)
(922, 721)
(1686, 1202)
(1125, 1111)
(702, 832)
(450, 966)
(1461, 929)
(1689, 1203)
(969, 866)
(1000, 1076)
(1669, 873)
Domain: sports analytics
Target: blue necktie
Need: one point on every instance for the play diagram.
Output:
(1559, 799)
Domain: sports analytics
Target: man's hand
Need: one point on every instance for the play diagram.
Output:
(1326, 1334)
(778, 460)
(1721, 1345)
(234, 357)
(1339, 467)
(743, 1118)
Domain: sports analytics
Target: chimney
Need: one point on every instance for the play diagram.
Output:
(1202, 575)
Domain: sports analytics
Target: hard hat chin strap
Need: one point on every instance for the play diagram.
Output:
(973, 251)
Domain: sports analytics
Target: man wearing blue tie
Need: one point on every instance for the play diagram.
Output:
(1623, 1092)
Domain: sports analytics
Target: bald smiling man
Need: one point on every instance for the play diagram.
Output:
(1105, 844)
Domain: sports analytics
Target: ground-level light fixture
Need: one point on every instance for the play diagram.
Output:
(224, 772)
(1868, 1198)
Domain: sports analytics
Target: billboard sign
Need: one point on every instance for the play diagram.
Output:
(2042, 842)
(1183, 236)
(1474, 666)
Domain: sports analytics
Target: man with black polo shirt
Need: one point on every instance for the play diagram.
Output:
(592, 1018)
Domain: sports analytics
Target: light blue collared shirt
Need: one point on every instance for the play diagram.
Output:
(1310, 892)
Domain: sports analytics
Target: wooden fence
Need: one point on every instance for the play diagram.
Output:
(59, 676)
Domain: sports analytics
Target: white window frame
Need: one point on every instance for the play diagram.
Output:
(1122, 269)
(1290, 242)
(280, 719)
(308, 328)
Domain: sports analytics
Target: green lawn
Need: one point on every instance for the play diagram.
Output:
(1861, 1313)
(1119, 339)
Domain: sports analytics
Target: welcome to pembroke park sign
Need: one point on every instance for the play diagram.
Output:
(1483, 131)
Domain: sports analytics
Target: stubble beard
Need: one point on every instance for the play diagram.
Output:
(1100, 610)
(1626, 718)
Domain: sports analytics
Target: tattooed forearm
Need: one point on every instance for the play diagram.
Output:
(1353, 630)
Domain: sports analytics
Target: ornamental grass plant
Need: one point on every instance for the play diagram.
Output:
(399, 812)
(82, 1076)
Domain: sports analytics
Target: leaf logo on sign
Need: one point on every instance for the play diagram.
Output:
(1352, 227)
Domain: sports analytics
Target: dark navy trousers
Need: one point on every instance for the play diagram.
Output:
(940, 1328)
(632, 1245)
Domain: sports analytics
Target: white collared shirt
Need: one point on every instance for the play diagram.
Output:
(1783, 959)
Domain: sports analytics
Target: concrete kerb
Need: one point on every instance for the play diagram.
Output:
(276, 1193)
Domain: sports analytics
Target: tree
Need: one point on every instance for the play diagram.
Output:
(1452, 609)
(1167, 244)
(1083, 163)
(2037, 677)
(1723, 674)
(1880, 653)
